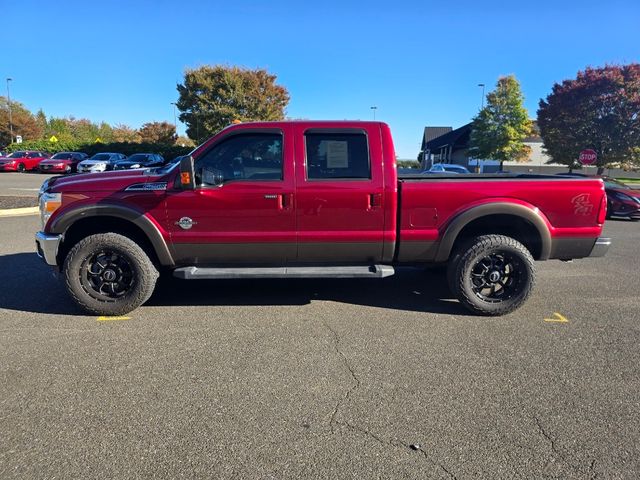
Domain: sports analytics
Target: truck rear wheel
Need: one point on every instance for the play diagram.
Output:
(493, 276)
(109, 274)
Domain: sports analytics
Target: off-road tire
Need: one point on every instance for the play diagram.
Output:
(144, 274)
(471, 257)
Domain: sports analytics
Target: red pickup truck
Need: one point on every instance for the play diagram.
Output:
(310, 199)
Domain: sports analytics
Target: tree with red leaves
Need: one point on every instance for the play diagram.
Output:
(600, 110)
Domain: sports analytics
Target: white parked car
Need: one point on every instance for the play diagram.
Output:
(100, 162)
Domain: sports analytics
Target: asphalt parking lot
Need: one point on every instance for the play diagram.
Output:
(322, 378)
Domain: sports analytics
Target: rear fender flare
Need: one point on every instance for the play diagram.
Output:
(529, 213)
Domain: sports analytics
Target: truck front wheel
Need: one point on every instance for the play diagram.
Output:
(109, 274)
(494, 276)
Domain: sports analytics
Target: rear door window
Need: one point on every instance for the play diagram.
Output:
(337, 156)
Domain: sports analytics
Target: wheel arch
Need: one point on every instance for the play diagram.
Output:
(81, 222)
(521, 222)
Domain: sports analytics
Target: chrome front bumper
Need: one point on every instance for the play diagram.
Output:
(47, 247)
(601, 247)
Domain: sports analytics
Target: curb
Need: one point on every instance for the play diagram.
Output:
(17, 212)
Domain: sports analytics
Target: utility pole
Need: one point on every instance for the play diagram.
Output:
(482, 100)
(9, 105)
(175, 122)
(374, 108)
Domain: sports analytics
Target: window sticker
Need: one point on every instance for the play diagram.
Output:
(337, 154)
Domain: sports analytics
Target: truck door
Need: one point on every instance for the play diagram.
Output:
(339, 194)
(241, 211)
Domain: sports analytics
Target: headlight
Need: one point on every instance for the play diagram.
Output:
(135, 165)
(43, 188)
(101, 167)
(49, 203)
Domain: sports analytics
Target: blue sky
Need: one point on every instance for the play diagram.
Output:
(419, 62)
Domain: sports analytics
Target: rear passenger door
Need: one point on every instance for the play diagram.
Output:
(339, 195)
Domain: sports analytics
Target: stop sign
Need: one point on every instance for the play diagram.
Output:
(588, 157)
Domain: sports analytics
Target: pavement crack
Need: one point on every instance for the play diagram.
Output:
(355, 384)
(355, 380)
(433, 462)
(547, 436)
(397, 444)
(556, 452)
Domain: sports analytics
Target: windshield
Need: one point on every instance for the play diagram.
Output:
(101, 156)
(615, 184)
(18, 155)
(168, 167)
(61, 156)
(138, 157)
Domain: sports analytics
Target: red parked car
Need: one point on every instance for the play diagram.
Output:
(22, 161)
(310, 199)
(63, 162)
(622, 200)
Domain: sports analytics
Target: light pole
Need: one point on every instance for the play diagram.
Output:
(175, 122)
(482, 100)
(9, 105)
(374, 108)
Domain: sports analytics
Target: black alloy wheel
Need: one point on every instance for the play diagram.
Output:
(492, 274)
(21, 168)
(496, 277)
(107, 275)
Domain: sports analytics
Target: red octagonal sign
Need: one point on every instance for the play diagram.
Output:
(588, 157)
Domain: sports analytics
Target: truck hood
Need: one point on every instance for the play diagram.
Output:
(112, 181)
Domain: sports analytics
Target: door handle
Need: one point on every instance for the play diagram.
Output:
(284, 200)
(374, 200)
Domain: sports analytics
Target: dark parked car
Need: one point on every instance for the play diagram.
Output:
(140, 160)
(65, 162)
(622, 200)
(100, 162)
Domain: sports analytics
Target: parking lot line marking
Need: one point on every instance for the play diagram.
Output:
(14, 212)
(559, 318)
(111, 319)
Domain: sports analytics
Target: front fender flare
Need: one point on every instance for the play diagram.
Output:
(62, 223)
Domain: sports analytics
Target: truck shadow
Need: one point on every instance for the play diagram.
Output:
(411, 289)
(28, 285)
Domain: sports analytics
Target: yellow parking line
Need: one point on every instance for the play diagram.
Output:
(559, 318)
(111, 319)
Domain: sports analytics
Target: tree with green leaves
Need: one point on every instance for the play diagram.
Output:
(599, 110)
(212, 97)
(499, 129)
(158, 132)
(23, 122)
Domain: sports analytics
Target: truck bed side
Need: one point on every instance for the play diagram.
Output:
(553, 217)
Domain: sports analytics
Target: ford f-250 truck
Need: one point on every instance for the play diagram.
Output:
(310, 199)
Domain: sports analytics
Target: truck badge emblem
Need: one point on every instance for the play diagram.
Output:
(582, 205)
(186, 223)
